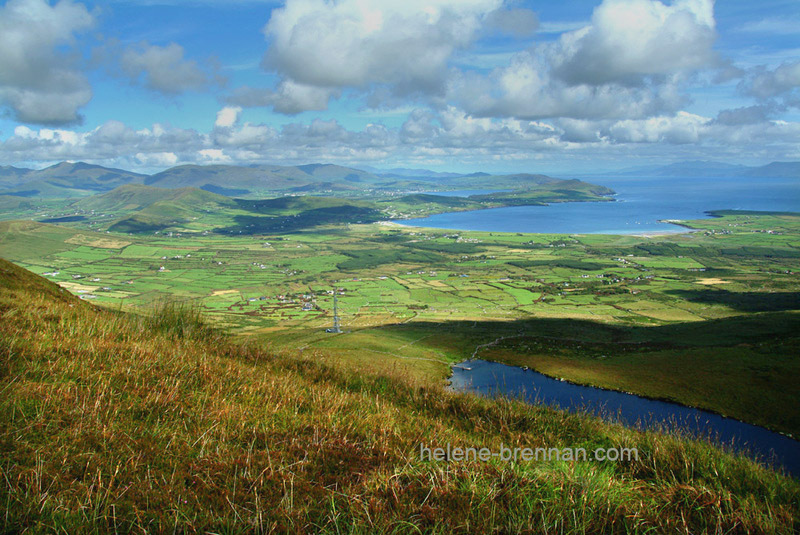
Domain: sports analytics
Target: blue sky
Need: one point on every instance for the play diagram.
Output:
(448, 84)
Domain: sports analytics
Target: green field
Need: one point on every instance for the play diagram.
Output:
(707, 318)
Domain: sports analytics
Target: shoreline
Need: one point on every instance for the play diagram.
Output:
(606, 389)
(638, 234)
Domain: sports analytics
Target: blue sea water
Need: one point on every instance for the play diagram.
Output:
(639, 205)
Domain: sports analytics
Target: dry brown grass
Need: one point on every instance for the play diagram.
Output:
(156, 424)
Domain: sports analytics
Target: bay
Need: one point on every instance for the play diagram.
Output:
(640, 204)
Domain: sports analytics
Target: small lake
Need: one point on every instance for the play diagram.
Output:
(640, 204)
(492, 378)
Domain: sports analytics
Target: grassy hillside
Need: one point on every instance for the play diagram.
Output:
(157, 423)
(249, 180)
(66, 180)
(10, 203)
(152, 208)
(132, 197)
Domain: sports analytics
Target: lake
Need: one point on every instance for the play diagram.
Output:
(640, 204)
(492, 378)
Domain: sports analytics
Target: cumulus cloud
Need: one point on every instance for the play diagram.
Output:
(629, 62)
(580, 130)
(39, 82)
(319, 48)
(227, 116)
(289, 97)
(352, 43)
(747, 114)
(155, 159)
(447, 135)
(682, 128)
(763, 83)
(163, 68)
(526, 89)
(628, 40)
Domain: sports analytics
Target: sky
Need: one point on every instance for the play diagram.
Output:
(447, 85)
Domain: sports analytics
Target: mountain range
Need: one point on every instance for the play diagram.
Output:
(80, 179)
(705, 169)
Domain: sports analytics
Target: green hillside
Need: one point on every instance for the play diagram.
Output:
(146, 208)
(156, 423)
(10, 202)
(134, 197)
(66, 180)
(250, 180)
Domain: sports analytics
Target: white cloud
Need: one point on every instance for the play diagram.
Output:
(228, 116)
(38, 82)
(289, 98)
(580, 130)
(319, 48)
(156, 159)
(246, 136)
(353, 43)
(163, 68)
(763, 83)
(631, 39)
(213, 156)
(682, 128)
(526, 89)
(448, 136)
(629, 62)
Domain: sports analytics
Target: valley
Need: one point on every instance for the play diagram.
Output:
(706, 318)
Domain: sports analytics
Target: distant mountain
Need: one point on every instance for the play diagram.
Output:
(256, 179)
(11, 176)
(705, 169)
(136, 197)
(405, 172)
(81, 179)
(775, 169)
(66, 180)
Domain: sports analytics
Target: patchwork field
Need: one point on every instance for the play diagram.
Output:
(421, 299)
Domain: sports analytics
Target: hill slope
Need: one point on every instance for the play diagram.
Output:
(158, 423)
(133, 197)
(247, 180)
(146, 208)
(66, 180)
